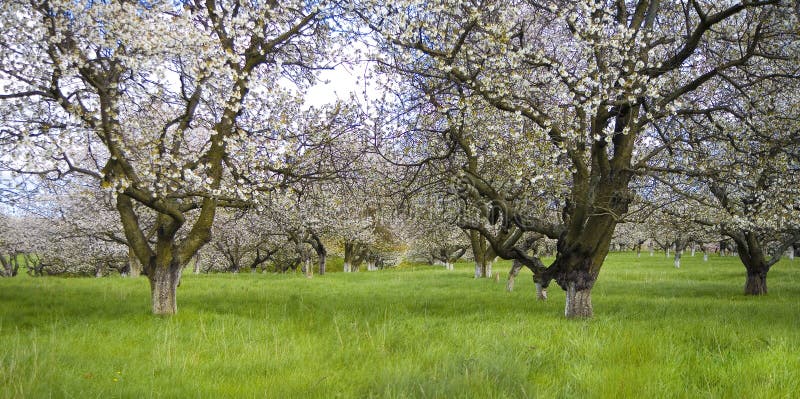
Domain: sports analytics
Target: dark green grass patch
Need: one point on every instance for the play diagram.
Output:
(415, 332)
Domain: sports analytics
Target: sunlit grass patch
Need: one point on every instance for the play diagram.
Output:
(416, 332)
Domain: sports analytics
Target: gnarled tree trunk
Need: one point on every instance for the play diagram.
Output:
(756, 263)
(483, 254)
(354, 254)
(165, 260)
(10, 265)
(756, 282)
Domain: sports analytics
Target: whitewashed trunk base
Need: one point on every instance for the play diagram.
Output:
(578, 304)
(541, 292)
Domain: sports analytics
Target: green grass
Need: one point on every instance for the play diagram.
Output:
(415, 332)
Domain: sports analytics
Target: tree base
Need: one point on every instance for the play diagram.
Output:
(756, 284)
(541, 292)
(163, 290)
(579, 303)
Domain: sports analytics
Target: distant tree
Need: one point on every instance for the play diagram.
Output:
(740, 176)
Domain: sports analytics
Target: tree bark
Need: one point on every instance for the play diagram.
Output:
(322, 253)
(483, 254)
(516, 266)
(10, 265)
(752, 255)
(164, 281)
(756, 283)
(541, 289)
(576, 271)
(323, 260)
(579, 302)
(134, 266)
(354, 254)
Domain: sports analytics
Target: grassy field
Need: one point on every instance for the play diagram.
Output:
(415, 332)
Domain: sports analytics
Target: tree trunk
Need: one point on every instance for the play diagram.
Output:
(677, 261)
(705, 256)
(576, 272)
(323, 260)
(307, 269)
(579, 302)
(319, 248)
(516, 266)
(134, 267)
(541, 292)
(346, 267)
(756, 283)
(196, 265)
(752, 255)
(164, 283)
(692, 249)
(10, 267)
(99, 269)
(483, 253)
